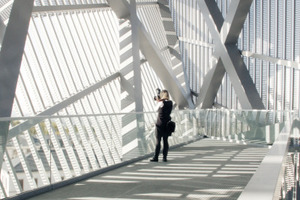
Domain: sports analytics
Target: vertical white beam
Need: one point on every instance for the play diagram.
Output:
(136, 58)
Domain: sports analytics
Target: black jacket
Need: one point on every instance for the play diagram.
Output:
(164, 114)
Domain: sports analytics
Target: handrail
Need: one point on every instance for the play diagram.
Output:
(111, 138)
(265, 183)
(42, 115)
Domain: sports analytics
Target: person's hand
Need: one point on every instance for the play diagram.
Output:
(159, 100)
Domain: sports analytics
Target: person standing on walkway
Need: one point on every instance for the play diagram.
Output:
(164, 109)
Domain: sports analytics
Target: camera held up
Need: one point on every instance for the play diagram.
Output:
(157, 96)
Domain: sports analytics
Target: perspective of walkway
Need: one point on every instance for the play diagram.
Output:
(205, 169)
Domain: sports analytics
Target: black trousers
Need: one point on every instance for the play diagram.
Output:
(161, 134)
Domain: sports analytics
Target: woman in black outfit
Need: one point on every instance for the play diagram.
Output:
(164, 109)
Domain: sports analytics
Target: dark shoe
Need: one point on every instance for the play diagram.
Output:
(154, 160)
(165, 160)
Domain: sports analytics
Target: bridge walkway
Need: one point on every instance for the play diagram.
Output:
(206, 169)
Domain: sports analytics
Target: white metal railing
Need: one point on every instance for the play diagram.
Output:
(290, 179)
(276, 175)
(56, 149)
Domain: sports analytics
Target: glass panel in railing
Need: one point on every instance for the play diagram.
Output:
(244, 126)
(42, 151)
(84, 144)
(26, 161)
(64, 153)
(290, 182)
(139, 132)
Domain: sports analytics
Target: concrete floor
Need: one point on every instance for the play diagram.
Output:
(206, 169)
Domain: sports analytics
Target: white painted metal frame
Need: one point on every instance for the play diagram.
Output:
(225, 34)
(261, 43)
(153, 56)
(266, 182)
(63, 35)
(10, 61)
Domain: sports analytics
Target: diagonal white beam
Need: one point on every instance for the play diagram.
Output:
(173, 44)
(121, 8)
(153, 56)
(38, 9)
(166, 75)
(2, 30)
(225, 34)
(13, 132)
(10, 61)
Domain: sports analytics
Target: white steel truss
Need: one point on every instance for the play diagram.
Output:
(225, 33)
(83, 61)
